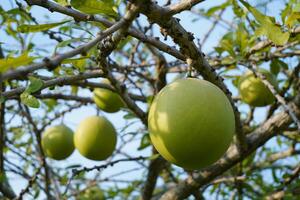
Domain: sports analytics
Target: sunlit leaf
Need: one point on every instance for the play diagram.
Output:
(212, 10)
(14, 62)
(35, 84)
(145, 142)
(292, 19)
(62, 2)
(26, 28)
(153, 157)
(74, 90)
(94, 7)
(268, 26)
(79, 63)
(29, 100)
(50, 103)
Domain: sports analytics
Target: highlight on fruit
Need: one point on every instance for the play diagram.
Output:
(191, 123)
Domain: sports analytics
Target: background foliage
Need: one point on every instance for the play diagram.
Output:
(54, 53)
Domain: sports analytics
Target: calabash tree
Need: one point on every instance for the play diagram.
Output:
(164, 100)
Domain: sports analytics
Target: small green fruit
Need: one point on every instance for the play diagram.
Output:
(57, 142)
(254, 92)
(107, 100)
(191, 123)
(95, 138)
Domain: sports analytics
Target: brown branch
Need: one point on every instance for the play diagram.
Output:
(91, 85)
(84, 100)
(78, 16)
(29, 185)
(56, 81)
(159, 163)
(256, 139)
(183, 5)
(184, 39)
(76, 172)
(279, 98)
(105, 49)
(52, 63)
(5, 188)
(42, 158)
(280, 193)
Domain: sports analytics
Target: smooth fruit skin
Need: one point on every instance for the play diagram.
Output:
(107, 100)
(57, 142)
(254, 92)
(95, 138)
(191, 123)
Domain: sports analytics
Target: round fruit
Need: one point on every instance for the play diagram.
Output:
(95, 138)
(254, 92)
(93, 193)
(191, 123)
(57, 142)
(107, 100)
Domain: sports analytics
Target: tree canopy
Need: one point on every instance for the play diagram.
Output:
(55, 53)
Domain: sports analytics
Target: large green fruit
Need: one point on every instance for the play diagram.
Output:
(254, 92)
(107, 100)
(95, 138)
(93, 193)
(191, 123)
(57, 142)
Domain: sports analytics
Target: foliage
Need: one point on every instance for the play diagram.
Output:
(54, 53)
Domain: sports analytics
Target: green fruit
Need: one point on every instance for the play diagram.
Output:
(57, 142)
(93, 193)
(95, 138)
(191, 123)
(254, 92)
(107, 100)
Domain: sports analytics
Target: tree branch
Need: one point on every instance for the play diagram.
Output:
(256, 139)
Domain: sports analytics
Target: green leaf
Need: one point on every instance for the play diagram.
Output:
(276, 64)
(292, 19)
(79, 63)
(122, 43)
(238, 11)
(62, 2)
(235, 81)
(14, 62)
(35, 84)
(26, 28)
(94, 7)
(29, 100)
(145, 142)
(212, 10)
(242, 38)
(129, 115)
(226, 44)
(50, 103)
(267, 26)
(74, 90)
(275, 69)
(2, 99)
(66, 43)
(153, 157)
